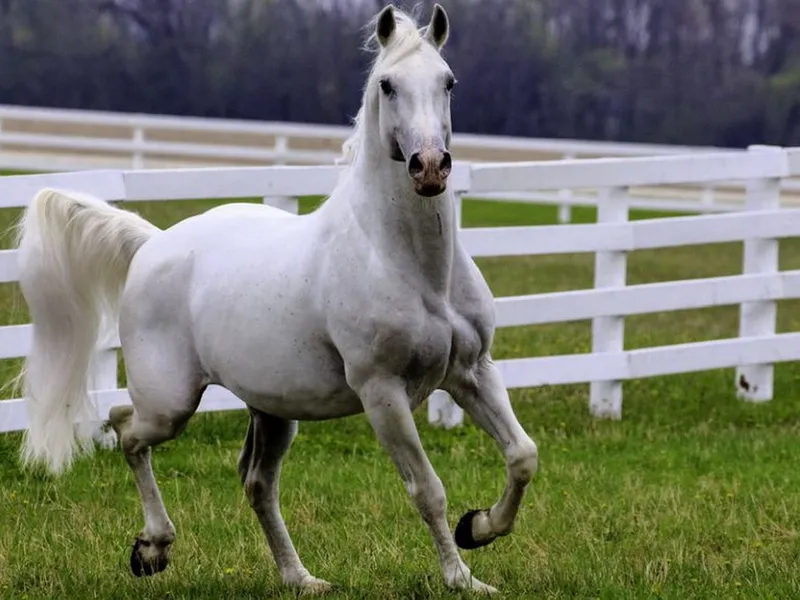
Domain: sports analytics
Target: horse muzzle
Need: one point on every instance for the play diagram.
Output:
(429, 168)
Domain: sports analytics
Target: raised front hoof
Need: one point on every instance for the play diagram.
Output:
(147, 558)
(470, 534)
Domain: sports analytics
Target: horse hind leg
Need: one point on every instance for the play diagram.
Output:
(267, 441)
(149, 422)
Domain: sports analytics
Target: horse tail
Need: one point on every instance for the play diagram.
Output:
(74, 255)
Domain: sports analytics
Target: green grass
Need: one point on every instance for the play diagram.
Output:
(694, 494)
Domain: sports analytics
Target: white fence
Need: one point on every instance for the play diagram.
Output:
(57, 139)
(760, 225)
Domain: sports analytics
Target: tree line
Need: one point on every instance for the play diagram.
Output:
(668, 71)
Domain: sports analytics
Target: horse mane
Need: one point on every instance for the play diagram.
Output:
(408, 37)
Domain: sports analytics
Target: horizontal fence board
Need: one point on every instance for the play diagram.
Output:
(169, 122)
(544, 239)
(636, 202)
(711, 229)
(240, 182)
(9, 269)
(633, 235)
(181, 184)
(334, 132)
(184, 149)
(535, 309)
(16, 341)
(14, 414)
(649, 362)
(559, 307)
(618, 172)
(540, 371)
(19, 190)
(794, 165)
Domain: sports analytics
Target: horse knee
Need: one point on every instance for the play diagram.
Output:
(523, 463)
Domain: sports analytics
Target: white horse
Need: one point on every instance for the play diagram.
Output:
(368, 304)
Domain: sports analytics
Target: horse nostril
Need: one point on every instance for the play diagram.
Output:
(447, 162)
(415, 166)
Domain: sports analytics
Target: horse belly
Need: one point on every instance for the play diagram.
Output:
(289, 378)
(305, 392)
(269, 348)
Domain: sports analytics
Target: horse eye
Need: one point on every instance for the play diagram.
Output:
(386, 87)
(449, 85)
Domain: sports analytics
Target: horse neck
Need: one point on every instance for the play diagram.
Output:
(414, 232)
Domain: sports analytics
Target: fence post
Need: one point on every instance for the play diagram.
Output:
(287, 203)
(137, 159)
(754, 382)
(565, 195)
(281, 148)
(442, 409)
(608, 333)
(103, 376)
(707, 195)
(458, 208)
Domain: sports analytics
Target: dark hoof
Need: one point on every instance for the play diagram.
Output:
(463, 534)
(155, 561)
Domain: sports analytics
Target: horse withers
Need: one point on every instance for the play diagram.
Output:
(367, 304)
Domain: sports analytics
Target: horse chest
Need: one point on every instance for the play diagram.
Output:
(449, 344)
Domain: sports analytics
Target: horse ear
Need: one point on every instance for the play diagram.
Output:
(439, 27)
(386, 24)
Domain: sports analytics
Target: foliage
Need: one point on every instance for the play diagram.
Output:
(681, 71)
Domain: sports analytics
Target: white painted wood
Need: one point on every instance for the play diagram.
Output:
(793, 155)
(13, 415)
(15, 340)
(287, 203)
(339, 133)
(443, 411)
(754, 381)
(608, 332)
(459, 210)
(9, 270)
(560, 307)
(637, 235)
(634, 201)
(760, 223)
(565, 196)
(649, 362)
(713, 229)
(281, 149)
(540, 371)
(238, 182)
(610, 172)
(103, 374)
(18, 190)
(138, 148)
(546, 239)
(245, 182)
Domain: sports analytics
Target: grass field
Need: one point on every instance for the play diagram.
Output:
(694, 494)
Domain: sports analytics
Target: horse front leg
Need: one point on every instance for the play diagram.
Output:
(485, 399)
(388, 409)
